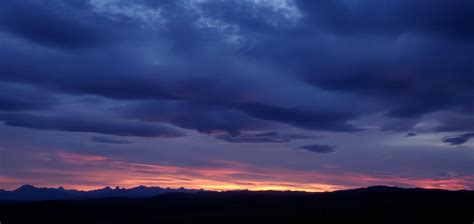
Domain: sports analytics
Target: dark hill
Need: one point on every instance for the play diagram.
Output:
(368, 205)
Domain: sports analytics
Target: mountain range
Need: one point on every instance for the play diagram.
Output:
(31, 193)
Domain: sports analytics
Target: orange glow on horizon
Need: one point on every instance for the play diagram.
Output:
(94, 172)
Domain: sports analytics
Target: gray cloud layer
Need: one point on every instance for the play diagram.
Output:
(319, 148)
(88, 124)
(238, 66)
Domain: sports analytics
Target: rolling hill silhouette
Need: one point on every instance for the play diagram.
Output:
(366, 205)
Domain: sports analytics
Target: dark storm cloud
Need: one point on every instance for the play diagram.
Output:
(106, 140)
(100, 73)
(265, 137)
(205, 118)
(115, 86)
(411, 58)
(248, 16)
(406, 83)
(236, 117)
(70, 24)
(246, 138)
(392, 17)
(87, 124)
(21, 98)
(314, 120)
(434, 74)
(74, 24)
(404, 59)
(456, 123)
(121, 71)
(458, 139)
(319, 148)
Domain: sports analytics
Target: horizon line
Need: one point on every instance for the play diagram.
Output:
(226, 190)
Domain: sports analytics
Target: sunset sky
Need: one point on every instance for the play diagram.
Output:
(310, 95)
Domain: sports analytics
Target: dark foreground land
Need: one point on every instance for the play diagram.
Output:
(370, 205)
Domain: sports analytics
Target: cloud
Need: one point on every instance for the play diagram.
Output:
(391, 18)
(14, 97)
(58, 24)
(106, 140)
(405, 84)
(262, 137)
(236, 117)
(319, 148)
(458, 139)
(314, 120)
(204, 118)
(244, 65)
(87, 124)
(455, 122)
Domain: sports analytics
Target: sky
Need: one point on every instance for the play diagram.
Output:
(306, 95)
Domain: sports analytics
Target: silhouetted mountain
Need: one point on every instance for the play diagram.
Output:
(367, 205)
(31, 193)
